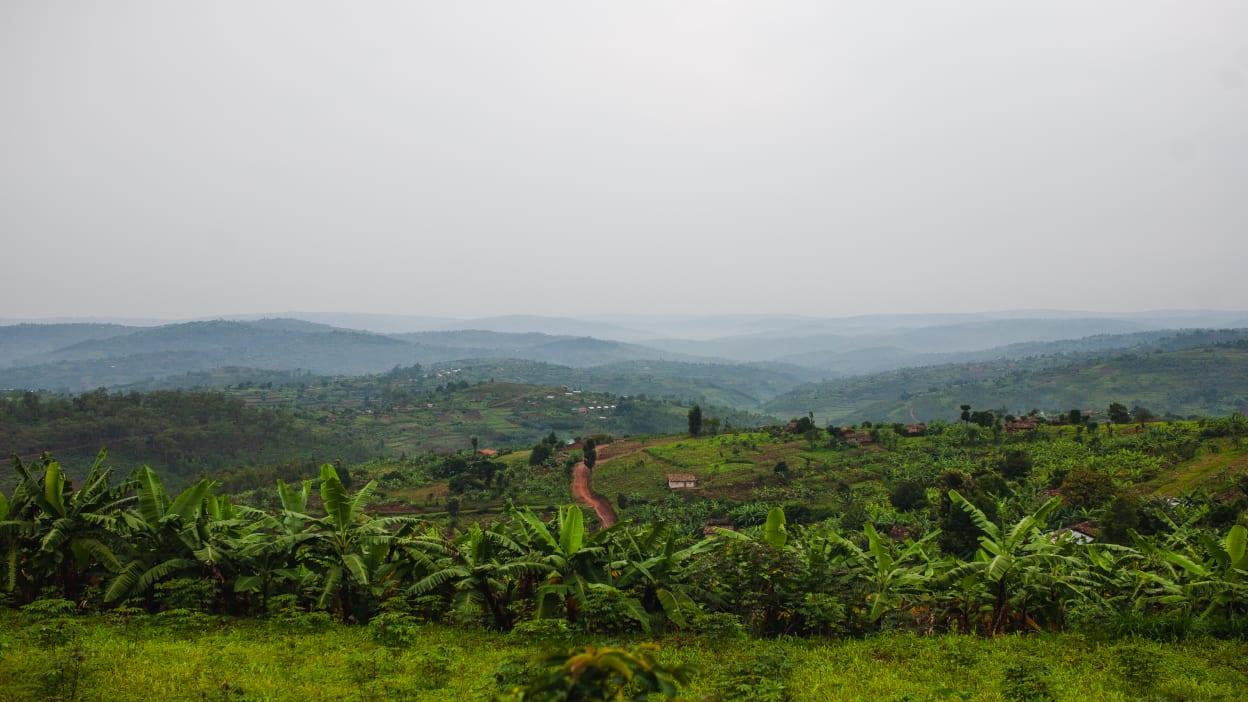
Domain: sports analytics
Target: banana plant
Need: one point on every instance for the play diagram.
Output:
(69, 532)
(1008, 557)
(652, 561)
(167, 536)
(575, 558)
(481, 569)
(350, 549)
(1222, 578)
(892, 576)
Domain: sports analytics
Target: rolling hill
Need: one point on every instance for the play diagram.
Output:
(1186, 374)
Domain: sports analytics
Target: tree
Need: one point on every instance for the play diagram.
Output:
(966, 413)
(713, 425)
(481, 568)
(1121, 517)
(889, 574)
(1086, 488)
(907, 495)
(1142, 414)
(541, 453)
(165, 536)
(348, 547)
(983, 418)
(590, 453)
(695, 420)
(1118, 413)
(1015, 464)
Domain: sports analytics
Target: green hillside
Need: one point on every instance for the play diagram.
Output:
(308, 419)
(1200, 379)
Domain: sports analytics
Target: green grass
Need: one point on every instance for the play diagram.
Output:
(1209, 470)
(194, 657)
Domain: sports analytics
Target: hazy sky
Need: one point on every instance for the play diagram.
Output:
(178, 159)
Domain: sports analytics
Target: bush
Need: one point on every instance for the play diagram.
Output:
(600, 674)
(717, 626)
(543, 629)
(1026, 680)
(393, 629)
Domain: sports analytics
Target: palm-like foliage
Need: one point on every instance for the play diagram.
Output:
(891, 574)
(653, 562)
(1018, 557)
(575, 559)
(1219, 577)
(170, 536)
(67, 532)
(481, 569)
(349, 549)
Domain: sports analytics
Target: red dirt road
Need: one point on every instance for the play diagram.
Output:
(582, 492)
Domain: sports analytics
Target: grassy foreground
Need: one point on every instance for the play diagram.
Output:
(194, 657)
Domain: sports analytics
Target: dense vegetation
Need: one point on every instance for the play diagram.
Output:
(853, 538)
(267, 427)
(971, 552)
(188, 434)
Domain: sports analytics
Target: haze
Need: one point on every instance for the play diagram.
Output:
(174, 160)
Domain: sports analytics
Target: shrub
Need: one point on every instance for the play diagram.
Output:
(1026, 681)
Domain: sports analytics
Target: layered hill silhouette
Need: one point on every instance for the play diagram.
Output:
(897, 368)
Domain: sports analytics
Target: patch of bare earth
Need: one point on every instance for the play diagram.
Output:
(586, 496)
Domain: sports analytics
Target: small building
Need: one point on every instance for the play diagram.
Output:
(488, 452)
(682, 481)
(859, 437)
(1080, 533)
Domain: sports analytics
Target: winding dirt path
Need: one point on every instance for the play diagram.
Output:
(582, 492)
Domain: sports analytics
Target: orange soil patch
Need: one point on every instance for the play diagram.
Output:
(586, 495)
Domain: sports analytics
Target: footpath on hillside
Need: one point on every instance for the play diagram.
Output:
(582, 492)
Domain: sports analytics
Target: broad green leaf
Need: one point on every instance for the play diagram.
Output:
(355, 565)
(294, 500)
(977, 515)
(675, 604)
(572, 531)
(1237, 546)
(152, 497)
(535, 526)
(774, 532)
(190, 502)
(334, 495)
(1187, 564)
(54, 487)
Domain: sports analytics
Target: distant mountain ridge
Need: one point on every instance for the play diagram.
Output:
(767, 359)
(82, 357)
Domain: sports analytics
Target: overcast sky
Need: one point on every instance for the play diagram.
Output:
(178, 159)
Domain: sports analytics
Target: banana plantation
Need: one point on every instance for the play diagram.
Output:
(129, 545)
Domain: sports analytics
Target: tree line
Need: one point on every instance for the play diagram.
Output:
(188, 433)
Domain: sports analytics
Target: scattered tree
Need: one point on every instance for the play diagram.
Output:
(1118, 413)
(695, 420)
